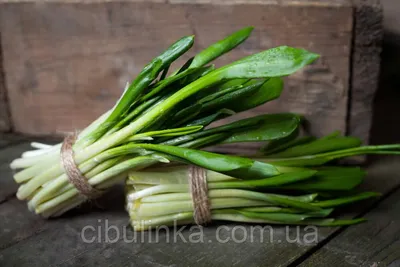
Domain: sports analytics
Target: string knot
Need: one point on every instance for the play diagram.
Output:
(75, 176)
(199, 193)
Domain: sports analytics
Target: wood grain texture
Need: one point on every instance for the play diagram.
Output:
(7, 185)
(5, 124)
(368, 35)
(375, 243)
(14, 148)
(8, 139)
(28, 240)
(66, 63)
(215, 2)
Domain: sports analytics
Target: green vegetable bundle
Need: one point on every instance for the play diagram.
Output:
(289, 184)
(157, 109)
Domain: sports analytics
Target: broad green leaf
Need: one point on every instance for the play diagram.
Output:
(220, 93)
(258, 128)
(318, 146)
(275, 62)
(242, 168)
(274, 126)
(322, 158)
(230, 84)
(159, 86)
(278, 180)
(278, 146)
(331, 179)
(221, 47)
(135, 89)
(269, 91)
(271, 63)
(232, 96)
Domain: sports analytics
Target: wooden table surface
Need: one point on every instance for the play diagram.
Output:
(28, 240)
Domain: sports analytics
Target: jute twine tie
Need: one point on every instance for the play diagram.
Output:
(75, 177)
(199, 192)
(197, 182)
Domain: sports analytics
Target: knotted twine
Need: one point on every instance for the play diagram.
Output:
(199, 191)
(75, 177)
(197, 182)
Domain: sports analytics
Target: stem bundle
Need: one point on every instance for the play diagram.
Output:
(161, 119)
(301, 191)
(172, 110)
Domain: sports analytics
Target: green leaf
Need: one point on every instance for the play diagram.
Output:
(269, 91)
(135, 89)
(159, 86)
(136, 112)
(232, 96)
(230, 84)
(269, 209)
(331, 179)
(273, 126)
(271, 63)
(205, 141)
(278, 180)
(277, 217)
(275, 62)
(164, 73)
(318, 146)
(320, 159)
(220, 114)
(346, 200)
(168, 132)
(279, 145)
(333, 222)
(242, 168)
(258, 128)
(221, 47)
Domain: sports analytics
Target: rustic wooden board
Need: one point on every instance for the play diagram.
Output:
(68, 62)
(368, 35)
(5, 125)
(7, 185)
(59, 242)
(8, 139)
(11, 147)
(375, 243)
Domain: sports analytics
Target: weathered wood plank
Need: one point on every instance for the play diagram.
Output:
(8, 187)
(11, 147)
(5, 125)
(214, 2)
(59, 241)
(8, 139)
(68, 65)
(375, 243)
(368, 35)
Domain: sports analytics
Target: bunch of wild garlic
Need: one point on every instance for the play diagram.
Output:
(157, 109)
(290, 183)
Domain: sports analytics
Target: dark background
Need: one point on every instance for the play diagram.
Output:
(386, 119)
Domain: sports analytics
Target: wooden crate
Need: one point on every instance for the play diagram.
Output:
(66, 62)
